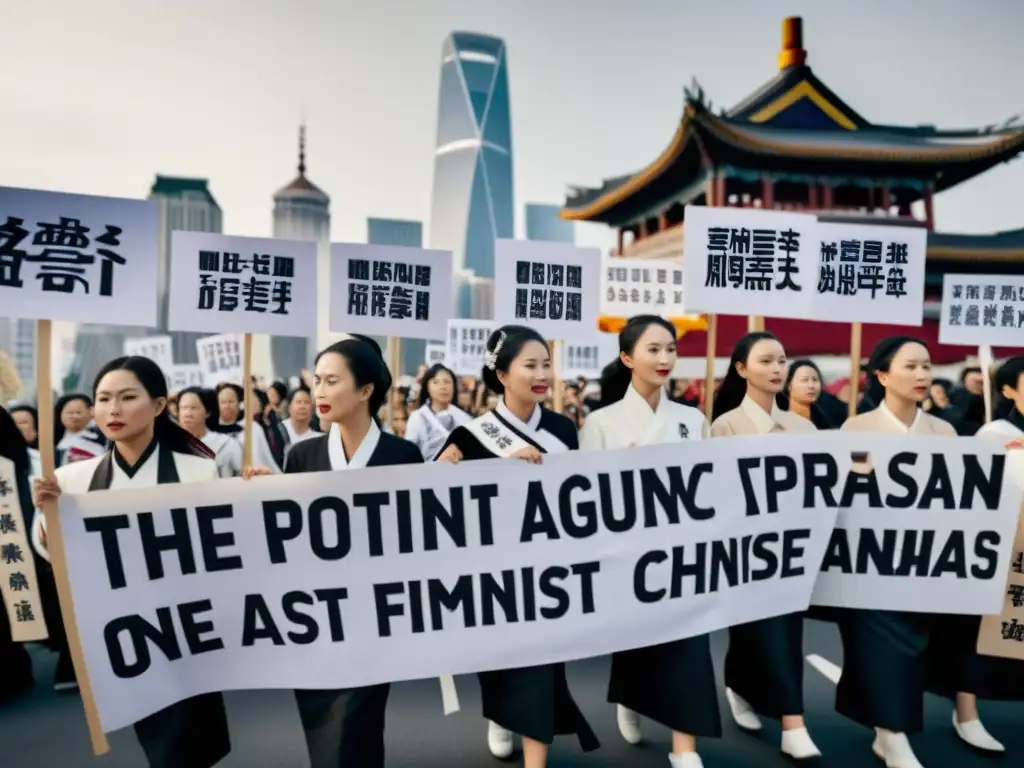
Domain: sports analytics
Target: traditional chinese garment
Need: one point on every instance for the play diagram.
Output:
(429, 430)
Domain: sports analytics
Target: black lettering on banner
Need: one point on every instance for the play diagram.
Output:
(178, 541)
(210, 541)
(140, 633)
(317, 540)
(865, 551)
(277, 534)
(107, 527)
(258, 622)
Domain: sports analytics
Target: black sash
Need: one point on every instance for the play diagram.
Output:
(103, 476)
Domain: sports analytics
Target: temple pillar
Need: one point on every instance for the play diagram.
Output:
(621, 237)
(812, 196)
(887, 198)
(767, 193)
(826, 196)
(929, 209)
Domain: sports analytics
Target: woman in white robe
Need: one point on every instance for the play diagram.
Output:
(765, 663)
(435, 418)
(197, 412)
(146, 449)
(230, 422)
(673, 683)
(75, 436)
(298, 426)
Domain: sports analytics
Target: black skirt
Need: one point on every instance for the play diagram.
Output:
(190, 734)
(535, 702)
(672, 684)
(765, 664)
(954, 665)
(344, 727)
(885, 659)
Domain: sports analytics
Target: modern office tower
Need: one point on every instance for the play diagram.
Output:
(410, 235)
(543, 223)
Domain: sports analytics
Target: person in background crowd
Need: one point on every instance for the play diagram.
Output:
(299, 424)
(270, 421)
(345, 727)
(464, 399)
(197, 413)
(74, 439)
(172, 405)
(572, 405)
(230, 422)
(802, 393)
(27, 419)
(967, 402)
(672, 683)
(277, 396)
(435, 416)
(765, 662)
(146, 449)
(885, 653)
(534, 702)
(399, 424)
(938, 397)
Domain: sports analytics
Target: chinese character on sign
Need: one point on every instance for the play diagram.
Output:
(268, 289)
(1013, 630)
(23, 612)
(386, 289)
(11, 553)
(7, 523)
(18, 582)
(554, 292)
(751, 259)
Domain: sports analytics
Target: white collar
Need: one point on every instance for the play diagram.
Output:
(899, 422)
(763, 422)
(530, 425)
(362, 455)
(650, 420)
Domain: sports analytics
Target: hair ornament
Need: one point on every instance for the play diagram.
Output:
(491, 357)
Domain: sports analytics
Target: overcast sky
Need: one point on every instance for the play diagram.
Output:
(97, 97)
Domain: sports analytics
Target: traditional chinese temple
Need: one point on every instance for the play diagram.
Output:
(794, 144)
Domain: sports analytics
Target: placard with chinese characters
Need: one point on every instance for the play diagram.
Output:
(226, 284)
(79, 258)
(982, 309)
(159, 349)
(390, 290)
(466, 344)
(435, 353)
(746, 261)
(551, 287)
(869, 273)
(18, 585)
(573, 361)
(221, 358)
(186, 375)
(642, 287)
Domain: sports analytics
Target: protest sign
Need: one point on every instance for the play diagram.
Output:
(159, 349)
(299, 582)
(186, 375)
(19, 587)
(642, 286)
(466, 344)
(586, 360)
(221, 358)
(982, 309)
(434, 353)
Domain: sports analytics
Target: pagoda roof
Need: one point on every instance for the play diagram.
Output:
(795, 128)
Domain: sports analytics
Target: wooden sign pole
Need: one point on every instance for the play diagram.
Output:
(557, 395)
(394, 362)
(709, 367)
(855, 356)
(55, 538)
(985, 362)
(249, 401)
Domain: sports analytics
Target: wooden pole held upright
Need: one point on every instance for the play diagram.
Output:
(55, 537)
(394, 362)
(855, 356)
(249, 402)
(709, 367)
(557, 395)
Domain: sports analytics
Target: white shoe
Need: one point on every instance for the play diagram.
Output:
(629, 724)
(499, 741)
(797, 744)
(744, 714)
(974, 733)
(894, 750)
(688, 760)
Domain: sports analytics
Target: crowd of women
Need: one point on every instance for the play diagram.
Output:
(130, 431)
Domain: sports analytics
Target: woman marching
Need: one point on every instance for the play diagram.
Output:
(197, 412)
(345, 727)
(534, 702)
(765, 662)
(146, 449)
(885, 653)
(231, 422)
(674, 683)
(433, 421)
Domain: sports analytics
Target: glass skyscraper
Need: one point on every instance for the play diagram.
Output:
(410, 235)
(472, 199)
(543, 223)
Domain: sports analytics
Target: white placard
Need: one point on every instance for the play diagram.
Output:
(159, 349)
(226, 284)
(586, 360)
(746, 261)
(553, 288)
(185, 375)
(81, 258)
(19, 587)
(435, 353)
(390, 290)
(466, 344)
(982, 309)
(869, 273)
(221, 358)
(642, 287)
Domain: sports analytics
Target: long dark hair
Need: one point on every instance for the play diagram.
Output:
(512, 339)
(818, 415)
(169, 435)
(208, 399)
(59, 430)
(35, 420)
(366, 363)
(12, 442)
(734, 387)
(437, 369)
(618, 378)
(879, 362)
(1008, 375)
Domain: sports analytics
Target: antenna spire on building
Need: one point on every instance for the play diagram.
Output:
(302, 149)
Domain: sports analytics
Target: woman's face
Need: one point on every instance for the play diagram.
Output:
(398, 422)
(300, 408)
(440, 389)
(528, 377)
(124, 410)
(910, 373)
(765, 366)
(227, 404)
(653, 357)
(805, 386)
(335, 390)
(938, 395)
(76, 416)
(26, 425)
(273, 397)
(191, 413)
(465, 399)
(1015, 396)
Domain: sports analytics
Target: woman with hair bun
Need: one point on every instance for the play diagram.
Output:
(672, 683)
(533, 702)
(146, 449)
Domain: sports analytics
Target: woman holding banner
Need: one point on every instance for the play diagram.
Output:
(765, 662)
(146, 449)
(534, 702)
(673, 683)
(433, 421)
(885, 653)
(345, 727)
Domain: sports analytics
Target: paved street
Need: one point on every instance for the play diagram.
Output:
(47, 730)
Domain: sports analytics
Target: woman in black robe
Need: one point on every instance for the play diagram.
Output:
(345, 727)
(534, 702)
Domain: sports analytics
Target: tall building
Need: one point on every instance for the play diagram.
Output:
(544, 223)
(410, 235)
(472, 201)
(302, 211)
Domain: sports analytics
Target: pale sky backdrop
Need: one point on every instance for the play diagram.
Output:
(97, 96)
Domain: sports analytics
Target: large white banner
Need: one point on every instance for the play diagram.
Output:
(982, 309)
